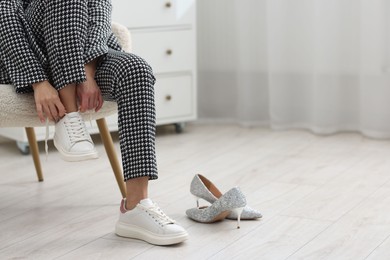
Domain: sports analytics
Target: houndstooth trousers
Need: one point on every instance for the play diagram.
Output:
(53, 40)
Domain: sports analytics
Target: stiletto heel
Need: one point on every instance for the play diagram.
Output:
(238, 212)
(197, 201)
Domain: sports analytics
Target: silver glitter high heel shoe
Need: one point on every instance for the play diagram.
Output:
(203, 188)
(233, 200)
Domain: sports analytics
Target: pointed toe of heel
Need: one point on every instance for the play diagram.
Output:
(247, 214)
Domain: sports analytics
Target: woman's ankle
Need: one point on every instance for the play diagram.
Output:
(69, 98)
(131, 204)
(137, 190)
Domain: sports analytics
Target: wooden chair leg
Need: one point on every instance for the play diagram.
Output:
(32, 141)
(110, 150)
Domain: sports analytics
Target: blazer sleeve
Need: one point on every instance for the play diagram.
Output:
(18, 54)
(99, 29)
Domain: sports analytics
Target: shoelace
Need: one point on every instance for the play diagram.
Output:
(47, 138)
(75, 127)
(89, 113)
(159, 215)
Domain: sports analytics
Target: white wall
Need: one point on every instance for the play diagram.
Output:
(227, 32)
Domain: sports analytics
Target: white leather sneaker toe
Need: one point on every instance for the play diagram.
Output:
(149, 223)
(72, 139)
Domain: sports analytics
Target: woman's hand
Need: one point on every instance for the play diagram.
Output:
(88, 92)
(89, 95)
(47, 102)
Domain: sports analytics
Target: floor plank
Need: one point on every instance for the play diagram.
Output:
(354, 236)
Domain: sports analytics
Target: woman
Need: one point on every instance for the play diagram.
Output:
(65, 52)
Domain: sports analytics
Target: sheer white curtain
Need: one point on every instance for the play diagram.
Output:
(322, 65)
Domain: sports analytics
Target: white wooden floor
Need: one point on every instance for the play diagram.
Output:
(321, 197)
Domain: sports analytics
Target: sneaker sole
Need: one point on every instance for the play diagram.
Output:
(130, 231)
(76, 157)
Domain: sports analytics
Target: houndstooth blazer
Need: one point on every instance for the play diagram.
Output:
(25, 56)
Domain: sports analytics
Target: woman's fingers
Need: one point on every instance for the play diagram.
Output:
(89, 100)
(54, 112)
(48, 103)
(92, 102)
(99, 103)
(60, 108)
(46, 110)
(40, 112)
(89, 96)
(96, 102)
(86, 102)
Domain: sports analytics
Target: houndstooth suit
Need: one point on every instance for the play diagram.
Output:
(53, 40)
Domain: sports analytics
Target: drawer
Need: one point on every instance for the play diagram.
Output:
(174, 97)
(166, 51)
(153, 13)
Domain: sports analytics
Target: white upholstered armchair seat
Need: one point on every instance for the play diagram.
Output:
(18, 110)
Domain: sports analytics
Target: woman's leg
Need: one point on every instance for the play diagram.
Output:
(137, 190)
(128, 80)
(60, 28)
(69, 98)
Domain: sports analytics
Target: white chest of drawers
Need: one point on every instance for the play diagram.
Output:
(164, 34)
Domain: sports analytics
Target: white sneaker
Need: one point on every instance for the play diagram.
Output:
(149, 223)
(72, 139)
